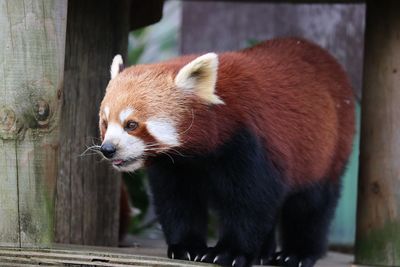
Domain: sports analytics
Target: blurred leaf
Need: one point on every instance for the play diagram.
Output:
(135, 54)
(252, 42)
(137, 191)
(139, 32)
(168, 43)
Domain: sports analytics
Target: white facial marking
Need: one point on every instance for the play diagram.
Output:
(132, 167)
(125, 114)
(128, 146)
(116, 66)
(107, 112)
(163, 130)
(114, 133)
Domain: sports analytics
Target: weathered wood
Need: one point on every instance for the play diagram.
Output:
(66, 255)
(87, 206)
(378, 218)
(32, 43)
(84, 257)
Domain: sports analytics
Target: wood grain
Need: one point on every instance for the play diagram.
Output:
(32, 43)
(84, 257)
(88, 190)
(378, 218)
(74, 255)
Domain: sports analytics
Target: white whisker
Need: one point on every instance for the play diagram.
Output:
(177, 152)
(165, 153)
(94, 148)
(191, 123)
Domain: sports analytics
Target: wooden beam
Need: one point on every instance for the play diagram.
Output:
(143, 13)
(32, 40)
(88, 191)
(378, 218)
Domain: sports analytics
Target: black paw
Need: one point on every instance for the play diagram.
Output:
(179, 252)
(265, 258)
(289, 260)
(225, 257)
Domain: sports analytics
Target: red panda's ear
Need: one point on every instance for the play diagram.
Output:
(117, 66)
(200, 77)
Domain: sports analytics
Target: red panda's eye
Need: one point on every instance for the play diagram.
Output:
(131, 125)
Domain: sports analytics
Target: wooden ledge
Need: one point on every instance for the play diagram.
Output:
(82, 257)
(145, 255)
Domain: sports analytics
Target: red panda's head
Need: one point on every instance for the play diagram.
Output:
(147, 108)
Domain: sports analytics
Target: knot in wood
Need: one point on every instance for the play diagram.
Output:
(42, 112)
(7, 119)
(376, 189)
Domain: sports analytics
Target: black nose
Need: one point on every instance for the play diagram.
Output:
(108, 150)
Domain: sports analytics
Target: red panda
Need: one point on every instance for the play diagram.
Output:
(260, 135)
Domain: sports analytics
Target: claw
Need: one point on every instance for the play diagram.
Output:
(215, 259)
(196, 258)
(202, 258)
(188, 256)
(278, 257)
(300, 264)
(234, 263)
(261, 262)
(172, 255)
(287, 259)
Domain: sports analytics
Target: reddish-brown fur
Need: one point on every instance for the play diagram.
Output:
(290, 92)
(295, 96)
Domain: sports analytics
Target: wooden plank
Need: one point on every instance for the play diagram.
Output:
(82, 257)
(95, 256)
(32, 59)
(88, 191)
(378, 218)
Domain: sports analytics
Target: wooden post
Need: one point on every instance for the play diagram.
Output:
(378, 217)
(32, 40)
(88, 191)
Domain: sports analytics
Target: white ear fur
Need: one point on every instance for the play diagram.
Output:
(200, 76)
(116, 66)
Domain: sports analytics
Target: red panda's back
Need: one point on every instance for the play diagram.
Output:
(297, 97)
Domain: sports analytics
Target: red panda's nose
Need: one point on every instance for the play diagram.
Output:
(108, 150)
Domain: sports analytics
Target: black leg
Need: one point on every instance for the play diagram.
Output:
(267, 249)
(306, 217)
(181, 205)
(246, 191)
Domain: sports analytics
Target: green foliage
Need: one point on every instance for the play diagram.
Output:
(135, 54)
(252, 42)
